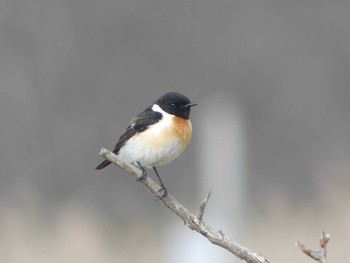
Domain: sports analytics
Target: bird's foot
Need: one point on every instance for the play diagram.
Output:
(143, 176)
(163, 192)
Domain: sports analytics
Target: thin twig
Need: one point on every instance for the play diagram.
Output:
(190, 220)
(318, 255)
(202, 207)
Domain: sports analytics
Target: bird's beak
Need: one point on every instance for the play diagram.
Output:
(191, 104)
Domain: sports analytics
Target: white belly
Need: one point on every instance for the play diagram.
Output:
(148, 152)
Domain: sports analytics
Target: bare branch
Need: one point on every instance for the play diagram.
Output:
(190, 220)
(318, 255)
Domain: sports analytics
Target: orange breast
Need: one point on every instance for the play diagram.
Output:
(183, 131)
(176, 134)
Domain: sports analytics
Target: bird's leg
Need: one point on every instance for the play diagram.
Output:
(162, 186)
(143, 170)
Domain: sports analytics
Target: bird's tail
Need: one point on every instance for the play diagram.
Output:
(103, 165)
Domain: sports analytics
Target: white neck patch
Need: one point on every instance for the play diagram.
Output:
(157, 108)
(167, 118)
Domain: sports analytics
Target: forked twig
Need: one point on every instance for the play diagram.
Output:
(318, 255)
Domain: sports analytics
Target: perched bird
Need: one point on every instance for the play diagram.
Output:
(157, 135)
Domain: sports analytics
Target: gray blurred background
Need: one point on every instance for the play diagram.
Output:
(271, 131)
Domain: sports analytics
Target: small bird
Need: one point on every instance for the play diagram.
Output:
(156, 136)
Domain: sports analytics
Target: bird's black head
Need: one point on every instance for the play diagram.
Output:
(176, 104)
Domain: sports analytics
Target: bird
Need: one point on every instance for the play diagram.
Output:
(156, 136)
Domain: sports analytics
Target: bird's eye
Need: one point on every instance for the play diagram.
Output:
(172, 105)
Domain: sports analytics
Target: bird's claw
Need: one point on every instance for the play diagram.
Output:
(144, 172)
(143, 176)
(163, 192)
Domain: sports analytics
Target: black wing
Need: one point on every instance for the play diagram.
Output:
(138, 124)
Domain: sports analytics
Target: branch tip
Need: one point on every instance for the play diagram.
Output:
(103, 151)
(202, 206)
(324, 239)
